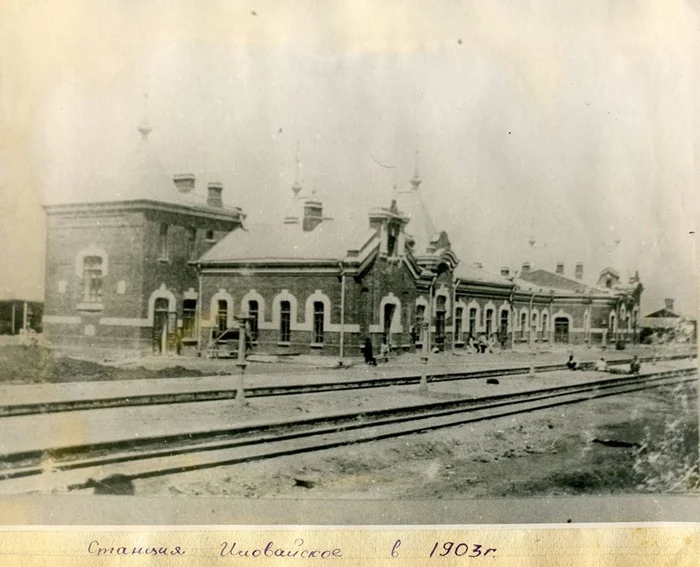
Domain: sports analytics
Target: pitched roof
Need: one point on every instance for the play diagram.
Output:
(557, 282)
(141, 177)
(472, 273)
(329, 241)
(664, 313)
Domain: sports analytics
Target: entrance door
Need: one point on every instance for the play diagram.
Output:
(561, 330)
(389, 310)
(440, 316)
(160, 325)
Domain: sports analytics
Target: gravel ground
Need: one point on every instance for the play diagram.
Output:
(540, 454)
(42, 431)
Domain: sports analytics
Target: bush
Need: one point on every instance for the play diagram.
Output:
(667, 460)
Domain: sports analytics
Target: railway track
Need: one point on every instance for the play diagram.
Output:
(285, 390)
(77, 467)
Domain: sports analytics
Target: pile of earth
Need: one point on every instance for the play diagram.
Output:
(29, 364)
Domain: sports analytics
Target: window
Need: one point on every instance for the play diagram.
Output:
(472, 321)
(163, 242)
(189, 318)
(419, 317)
(534, 321)
(489, 322)
(209, 236)
(523, 323)
(191, 243)
(392, 238)
(285, 321)
(318, 322)
(504, 323)
(544, 322)
(459, 314)
(93, 272)
(222, 315)
(253, 312)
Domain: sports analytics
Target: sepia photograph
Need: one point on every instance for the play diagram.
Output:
(337, 253)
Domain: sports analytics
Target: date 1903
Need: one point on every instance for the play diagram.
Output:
(460, 549)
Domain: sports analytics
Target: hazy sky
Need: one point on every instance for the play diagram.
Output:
(572, 120)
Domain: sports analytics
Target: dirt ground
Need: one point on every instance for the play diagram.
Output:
(642, 442)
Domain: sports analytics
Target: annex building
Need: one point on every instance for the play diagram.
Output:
(148, 267)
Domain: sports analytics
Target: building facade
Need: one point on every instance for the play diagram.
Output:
(119, 271)
(148, 266)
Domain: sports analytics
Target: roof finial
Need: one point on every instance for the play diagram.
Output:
(296, 188)
(145, 128)
(416, 180)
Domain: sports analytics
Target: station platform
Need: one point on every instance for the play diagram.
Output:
(260, 375)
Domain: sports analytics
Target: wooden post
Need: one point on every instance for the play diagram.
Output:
(425, 357)
(241, 360)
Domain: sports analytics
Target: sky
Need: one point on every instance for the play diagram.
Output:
(565, 122)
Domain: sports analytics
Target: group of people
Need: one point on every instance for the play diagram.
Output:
(602, 366)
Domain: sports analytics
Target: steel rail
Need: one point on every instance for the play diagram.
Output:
(295, 436)
(222, 394)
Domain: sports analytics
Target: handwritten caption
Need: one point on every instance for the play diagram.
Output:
(298, 549)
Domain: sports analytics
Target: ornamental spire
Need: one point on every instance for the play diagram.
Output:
(145, 128)
(296, 188)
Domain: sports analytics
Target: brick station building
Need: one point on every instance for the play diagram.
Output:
(143, 263)
(312, 284)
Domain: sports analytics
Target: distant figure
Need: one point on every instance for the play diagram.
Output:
(601, 365)
(471, 343)
(571, 364)
(492, 342)
(635, 365)
(483, 343)
(384, 351)
(415, 334)
(368, 354)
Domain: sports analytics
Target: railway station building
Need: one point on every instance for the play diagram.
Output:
(145, 265)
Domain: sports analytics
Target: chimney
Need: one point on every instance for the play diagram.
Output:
(525, 268)
(313, 215)
(214, 190)
(478, 265)
(184, 182)
(579, 271)
(669, 304)
(505, 271)
(560, 268)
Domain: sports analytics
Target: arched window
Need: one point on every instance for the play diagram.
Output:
(222, 315)
(93, 272)
(534, 321)
(504, 323)
(544, 322)
(285, 321)
(523, 323)
(318, 322)
(472, 321)
(189, 318)
(459, 315)
(253, 313)
(489, 322)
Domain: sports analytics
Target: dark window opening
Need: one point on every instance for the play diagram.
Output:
(222, 315)
(93, 271)
(504, 324)
(318, 322)
(253, 313)
(285, 321)
(189, 318)
(472, 322)
(458, 324)
(163, 242)
(191, 243)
